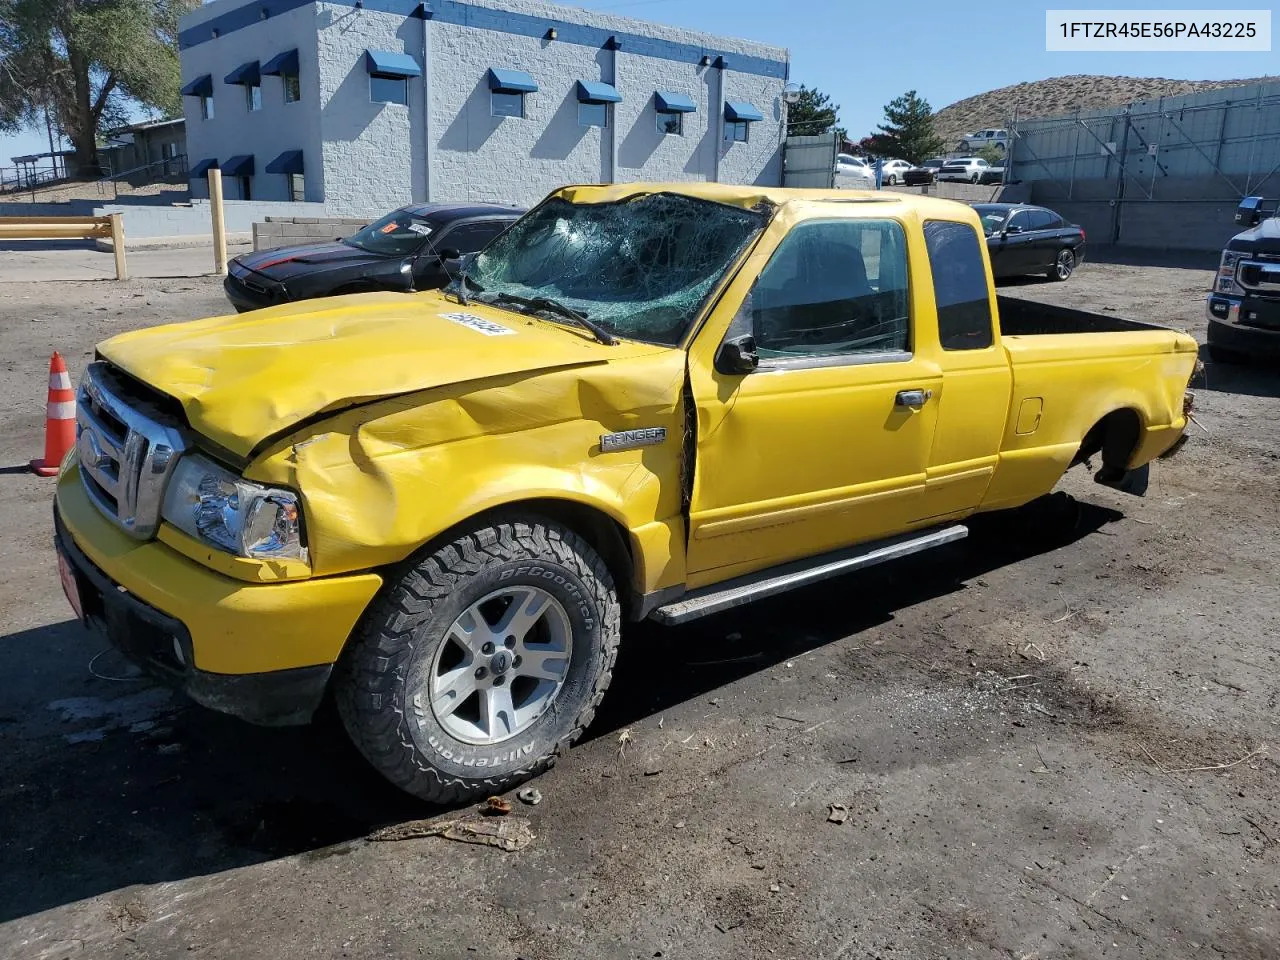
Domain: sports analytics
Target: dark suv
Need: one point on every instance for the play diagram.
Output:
(408, 249)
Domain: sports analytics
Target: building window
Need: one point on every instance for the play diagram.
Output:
(206, 108)
(253, 96)
(245, 192)
(736, 131)
(593, 114)
(388, 89)
(503, 103)
(671, 123)
(292, 88)
(297, 188)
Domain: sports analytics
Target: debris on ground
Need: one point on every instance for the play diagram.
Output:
(496, 807)
(837, 813)
(509, 834)
(530, 795)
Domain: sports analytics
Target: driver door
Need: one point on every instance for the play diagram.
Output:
(826, 442)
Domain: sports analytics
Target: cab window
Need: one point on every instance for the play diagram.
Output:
(959, 285)
(833, 288)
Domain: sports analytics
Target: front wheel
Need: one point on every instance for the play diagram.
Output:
(483, 661)
(893, 180)
(1063, 265)
(975, 178)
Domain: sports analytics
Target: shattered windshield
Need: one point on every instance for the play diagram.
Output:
(640, 268)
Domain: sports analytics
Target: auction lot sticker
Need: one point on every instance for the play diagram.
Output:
(1221, 31)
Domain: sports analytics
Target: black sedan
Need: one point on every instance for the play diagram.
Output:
(1023, 239)
(408, 249)
(926, 172)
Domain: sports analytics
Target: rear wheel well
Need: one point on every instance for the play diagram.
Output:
(1115, 436)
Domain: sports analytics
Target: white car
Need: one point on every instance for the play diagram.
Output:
(891, 171)
(854, 173)
(968, 169)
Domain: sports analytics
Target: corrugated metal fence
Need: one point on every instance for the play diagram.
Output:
(809, 161)
(1160, 173)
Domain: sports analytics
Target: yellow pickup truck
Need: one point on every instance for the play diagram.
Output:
(641, 401)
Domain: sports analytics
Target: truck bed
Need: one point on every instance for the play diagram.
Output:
(1020, 318)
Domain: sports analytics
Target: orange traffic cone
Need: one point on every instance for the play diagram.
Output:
(60, 420)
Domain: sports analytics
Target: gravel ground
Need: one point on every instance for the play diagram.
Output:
(1017, 725)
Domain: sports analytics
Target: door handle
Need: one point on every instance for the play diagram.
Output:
(912, 398)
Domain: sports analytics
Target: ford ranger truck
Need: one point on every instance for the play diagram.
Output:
(641, 401)
(1244, 304)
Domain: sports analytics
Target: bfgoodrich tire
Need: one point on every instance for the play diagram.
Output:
(482, 662)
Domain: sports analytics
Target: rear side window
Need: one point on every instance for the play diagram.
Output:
(834, 288)
(1041, 219)
(959, 285)
(471, 237)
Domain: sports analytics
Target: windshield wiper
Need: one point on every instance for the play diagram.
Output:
(555, 306)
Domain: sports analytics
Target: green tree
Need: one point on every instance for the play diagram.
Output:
(907, 132)
(812, 115)
(991, 153)
(83, 61)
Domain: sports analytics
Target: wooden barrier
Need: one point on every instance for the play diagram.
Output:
(70, 228)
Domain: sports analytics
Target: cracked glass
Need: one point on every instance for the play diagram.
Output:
(641, 268)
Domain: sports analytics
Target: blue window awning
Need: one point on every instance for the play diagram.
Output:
(247, 74)
(288, 162)
(739, 111)
(199, 87)
(511, 81)
(387, 64)
(201, 169)
(668, 102)
(240, 165)
(594, 91)
(282, 65)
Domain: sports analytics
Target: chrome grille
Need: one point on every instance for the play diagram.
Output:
(127, 451)
(1259, 277)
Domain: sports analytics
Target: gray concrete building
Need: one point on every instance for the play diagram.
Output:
(365, 105)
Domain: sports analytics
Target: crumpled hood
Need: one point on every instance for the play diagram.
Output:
(243, 378)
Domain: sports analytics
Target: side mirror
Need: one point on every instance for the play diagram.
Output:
(1013, 229)
(737, 356)
(1249, 213)
(448, 253)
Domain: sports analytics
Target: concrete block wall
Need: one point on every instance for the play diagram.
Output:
(374, 153)
(195, 219)
(292, 231)
(265, 133)
(363, 157)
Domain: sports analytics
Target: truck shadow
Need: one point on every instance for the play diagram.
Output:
(167, 791)
(1257, 378)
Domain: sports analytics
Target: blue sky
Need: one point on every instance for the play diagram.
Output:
(866, 53)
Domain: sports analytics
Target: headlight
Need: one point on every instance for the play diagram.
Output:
(1227, 268)
(233, 514)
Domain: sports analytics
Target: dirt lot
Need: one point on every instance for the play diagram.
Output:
(1018, 725)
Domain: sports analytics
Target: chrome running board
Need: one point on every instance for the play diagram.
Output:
(767, 583)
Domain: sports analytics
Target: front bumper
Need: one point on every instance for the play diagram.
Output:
(262, 652)
(1227, 332)
(249, 291)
